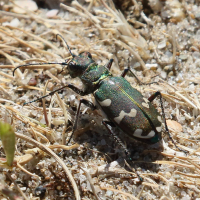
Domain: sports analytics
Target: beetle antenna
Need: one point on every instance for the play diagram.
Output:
(48, 63)
(63, 63)
(63, 39)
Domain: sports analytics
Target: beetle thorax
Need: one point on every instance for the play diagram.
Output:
(94, 74)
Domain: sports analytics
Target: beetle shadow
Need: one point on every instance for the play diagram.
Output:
(98, 141)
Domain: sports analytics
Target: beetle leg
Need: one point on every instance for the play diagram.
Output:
(109, 64)
(118, 141)
(116, 138)
(87, 103)
(151, 98)
(72, 87)
(124, 73)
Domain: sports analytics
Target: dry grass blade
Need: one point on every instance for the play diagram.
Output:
(7, 75)
(22, 160)
(94, 19)
(9, 193)
(7, 66)
(51, 153)
(5, 93)
(36, 133)
(127, 32)
(13, 14)
(18, 188)
(27, 120)
(64, 109)
(11, 61)
(175, 164)
(132, 50)
(89, 178)
(38, 38)
(148, 40)
(25, 43)
(64, 147)
(157, 175)
(44, 105)
(121, 192)
(74, 11)
(150, 185)
(188, 175)
(27, 172)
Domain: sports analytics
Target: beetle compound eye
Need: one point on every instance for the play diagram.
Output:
(71, 63)
(89, 55)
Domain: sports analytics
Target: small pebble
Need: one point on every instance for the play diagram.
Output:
(162, 44)
(40, 191)
(26, 5)
(52, 13)
(32, 82)
(152, 66)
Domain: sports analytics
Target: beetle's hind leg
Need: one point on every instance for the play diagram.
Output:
(151, 98)
(119, 141)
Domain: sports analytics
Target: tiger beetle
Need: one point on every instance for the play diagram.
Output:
(124, 106)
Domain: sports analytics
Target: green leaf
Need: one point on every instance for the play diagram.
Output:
(7, 137)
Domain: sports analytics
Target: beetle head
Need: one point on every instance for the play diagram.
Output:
(79, 64)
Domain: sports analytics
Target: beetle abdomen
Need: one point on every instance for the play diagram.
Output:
(128, 109)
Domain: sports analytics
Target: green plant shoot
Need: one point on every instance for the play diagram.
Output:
(7, 137)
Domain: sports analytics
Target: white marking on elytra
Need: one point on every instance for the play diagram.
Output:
(159, 119)
(159, 129)
(138, 134)
(106, 102)
(151, 134)
(122, 114)
(146, 103)
(146, 100)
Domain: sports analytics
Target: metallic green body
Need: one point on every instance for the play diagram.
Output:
(123, 105)
(93, 75)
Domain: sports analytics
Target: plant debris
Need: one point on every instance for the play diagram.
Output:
(159, 40)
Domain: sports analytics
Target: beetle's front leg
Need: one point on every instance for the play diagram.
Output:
(72, 87)
(87, 103)
(151, 98)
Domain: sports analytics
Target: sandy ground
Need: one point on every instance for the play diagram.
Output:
(159, 40)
